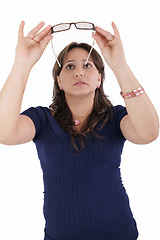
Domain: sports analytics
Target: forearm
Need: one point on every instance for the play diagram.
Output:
(11, 97)
(141, 112)
(140, 109)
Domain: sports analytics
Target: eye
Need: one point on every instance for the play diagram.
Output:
(88, 65)
(70, 66)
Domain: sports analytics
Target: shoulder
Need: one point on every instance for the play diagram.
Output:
(118, 108)
(38, 113)
(118, 112)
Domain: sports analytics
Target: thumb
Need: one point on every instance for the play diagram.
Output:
(21, 28)
(98, 39)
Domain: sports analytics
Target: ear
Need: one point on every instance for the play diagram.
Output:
(59, 81)
(99, 79)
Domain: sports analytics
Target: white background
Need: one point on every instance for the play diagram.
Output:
(21, 183)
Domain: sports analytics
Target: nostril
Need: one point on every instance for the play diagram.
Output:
(79, 75)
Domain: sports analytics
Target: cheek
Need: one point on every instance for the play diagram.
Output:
(66, 74)
(93, 76)
(63, 77)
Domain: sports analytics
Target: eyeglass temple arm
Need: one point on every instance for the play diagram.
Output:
(87, 57)
(55, 54)
(90, 51)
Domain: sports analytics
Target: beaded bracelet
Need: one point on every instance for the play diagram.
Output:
(134, 93)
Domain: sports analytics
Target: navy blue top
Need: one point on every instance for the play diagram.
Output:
(84, 197)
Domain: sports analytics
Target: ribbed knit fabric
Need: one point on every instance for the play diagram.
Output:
(84, 197)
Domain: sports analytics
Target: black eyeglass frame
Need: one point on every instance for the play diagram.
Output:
(74, 23)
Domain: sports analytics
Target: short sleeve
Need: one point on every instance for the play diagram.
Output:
(36, 114)
(119, 112)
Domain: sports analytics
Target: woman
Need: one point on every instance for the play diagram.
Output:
(80, 138)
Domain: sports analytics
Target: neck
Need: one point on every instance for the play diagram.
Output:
(80, 106)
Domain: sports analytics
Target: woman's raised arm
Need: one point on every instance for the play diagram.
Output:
(28, 51)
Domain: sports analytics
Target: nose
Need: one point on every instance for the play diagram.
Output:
(79, 74)
(79, 71)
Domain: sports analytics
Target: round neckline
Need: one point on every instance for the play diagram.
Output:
(57, 128)
(60, 132)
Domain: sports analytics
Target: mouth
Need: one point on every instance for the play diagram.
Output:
(80, 83)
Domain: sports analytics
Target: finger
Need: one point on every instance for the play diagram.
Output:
(21, 28)
(106, 34)
(41, 35)
(100, 39)
(115, 29)
(34, 31)
(45, 41)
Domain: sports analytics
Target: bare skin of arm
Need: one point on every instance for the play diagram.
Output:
(16, 128)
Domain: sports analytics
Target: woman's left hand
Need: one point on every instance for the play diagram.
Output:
(111, 47)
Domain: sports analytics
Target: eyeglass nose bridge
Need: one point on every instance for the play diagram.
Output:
(73, 23)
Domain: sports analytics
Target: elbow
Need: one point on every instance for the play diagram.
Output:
(154, 132)
(3, 139)
(148, 137)
(155, 136)
(152, 137)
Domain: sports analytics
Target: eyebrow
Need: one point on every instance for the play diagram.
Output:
(82, 60)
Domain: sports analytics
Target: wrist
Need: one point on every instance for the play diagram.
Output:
(126, 79)
(22, 65)
(121, 69)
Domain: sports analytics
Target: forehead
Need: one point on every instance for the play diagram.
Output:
(77, 54)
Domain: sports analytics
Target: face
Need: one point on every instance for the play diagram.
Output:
(74, 70)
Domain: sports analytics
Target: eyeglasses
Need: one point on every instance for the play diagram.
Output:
(66, 26)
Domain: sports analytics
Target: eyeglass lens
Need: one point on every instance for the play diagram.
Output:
(61, 27)
(83, 25)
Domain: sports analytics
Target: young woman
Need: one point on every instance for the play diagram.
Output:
(80, 137)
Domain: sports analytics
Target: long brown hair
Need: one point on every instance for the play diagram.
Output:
(101, 106)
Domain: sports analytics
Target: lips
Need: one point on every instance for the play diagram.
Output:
(80, 82)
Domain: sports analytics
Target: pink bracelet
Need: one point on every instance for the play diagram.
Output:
(134, 93)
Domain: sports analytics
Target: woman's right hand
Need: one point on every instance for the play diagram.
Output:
(30, 48)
